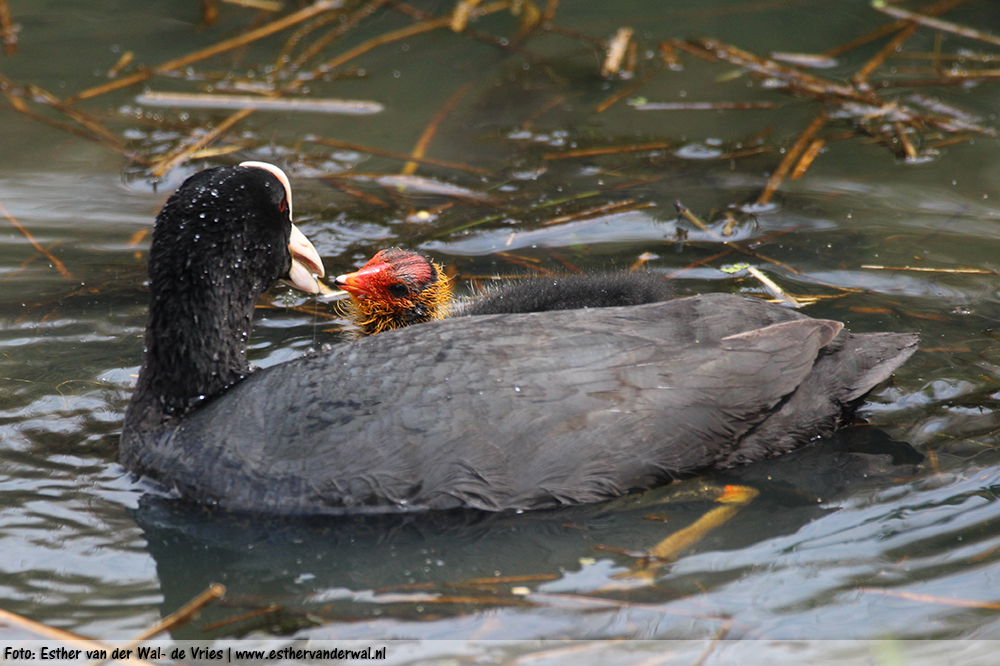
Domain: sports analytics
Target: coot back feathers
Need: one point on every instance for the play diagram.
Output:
(505, 411)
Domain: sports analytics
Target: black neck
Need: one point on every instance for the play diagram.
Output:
(196, 341)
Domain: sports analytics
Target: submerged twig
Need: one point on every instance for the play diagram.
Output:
(69, 638)
(732, 499)
(179, 617)
(58, 265)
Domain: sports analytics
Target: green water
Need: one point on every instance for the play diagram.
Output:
(823, 553)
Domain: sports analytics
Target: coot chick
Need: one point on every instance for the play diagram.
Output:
(396, 288)
(399, 287)
(495, 412)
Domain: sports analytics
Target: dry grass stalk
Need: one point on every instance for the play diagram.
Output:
(615, 53)
(809, 84)
(773, 287)
(266, 5)
(346, 188)
(860, 78)
(686, 213)
(352, 20)
(185, 152)
(284, 57)
(209, 12)
(58, 265)
(178, 618)
(904, 140)
(607, 150)
(702, 106)
(933, 9)
(624, 92)
(213, 101)
(361, 49)
(346, 145)
(65, 637)
(935, 24)
(921, 269)
(8, 31)
(641, 261)
(807, 158)
(122, 63)
(744, 152)
(933, 599)
(461, 13)
(432, 127)
(793, 153)
(545, 108)
(21, 107)
(668, 55)
(242, 617)
(223, 46)
(614, 207)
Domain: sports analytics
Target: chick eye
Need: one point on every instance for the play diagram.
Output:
(398, 290)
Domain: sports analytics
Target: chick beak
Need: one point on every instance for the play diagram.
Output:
(360, 284)
(306, 264)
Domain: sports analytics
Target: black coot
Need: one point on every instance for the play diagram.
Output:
(493, 412)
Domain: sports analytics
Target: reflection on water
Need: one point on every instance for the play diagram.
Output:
(844, 540)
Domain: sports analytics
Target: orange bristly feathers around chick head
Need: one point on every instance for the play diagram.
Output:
(396, 288)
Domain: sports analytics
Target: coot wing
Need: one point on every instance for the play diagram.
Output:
(513, 411)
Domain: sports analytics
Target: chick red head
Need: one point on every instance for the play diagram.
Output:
(396, 288)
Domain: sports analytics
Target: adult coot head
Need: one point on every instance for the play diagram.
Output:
(223, 238)
(503, 411)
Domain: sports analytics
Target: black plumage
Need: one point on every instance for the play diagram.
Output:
(496, 412)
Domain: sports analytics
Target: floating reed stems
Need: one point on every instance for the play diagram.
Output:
(185, 151)
(793, 153)
(933, 9)
(58, 265)
(935, 24)
(223, 46)
(347, 145)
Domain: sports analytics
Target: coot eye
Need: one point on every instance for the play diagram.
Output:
(398, 290)
(283, 206)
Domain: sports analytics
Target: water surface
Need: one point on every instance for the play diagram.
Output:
(852, 538)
